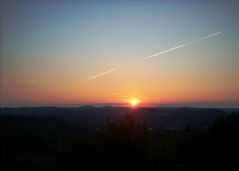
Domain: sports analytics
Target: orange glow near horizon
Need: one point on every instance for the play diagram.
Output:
(134, 102)
(69, 55)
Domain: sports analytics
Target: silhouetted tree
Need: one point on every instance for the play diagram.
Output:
(125, 141)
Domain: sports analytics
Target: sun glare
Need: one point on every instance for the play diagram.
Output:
(134, 102)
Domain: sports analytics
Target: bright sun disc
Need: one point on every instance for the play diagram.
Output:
(134, 102)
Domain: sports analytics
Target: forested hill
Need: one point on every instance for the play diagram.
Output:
(90, 117)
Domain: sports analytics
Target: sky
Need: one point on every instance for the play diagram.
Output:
(92, 52)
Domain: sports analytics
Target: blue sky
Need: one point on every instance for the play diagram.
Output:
(64, 42)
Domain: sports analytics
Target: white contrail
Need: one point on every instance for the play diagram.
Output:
(179, 46)
(99, 75)
(157, 54)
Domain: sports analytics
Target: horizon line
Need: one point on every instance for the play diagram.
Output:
(123, 105)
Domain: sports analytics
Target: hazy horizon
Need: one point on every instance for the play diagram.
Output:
(192, 105)
(165, 53)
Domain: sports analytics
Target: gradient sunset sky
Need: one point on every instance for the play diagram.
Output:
(48, 49)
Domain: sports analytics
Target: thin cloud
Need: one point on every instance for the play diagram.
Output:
(32, 81)
(182, 45)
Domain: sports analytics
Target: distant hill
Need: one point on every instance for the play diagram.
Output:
(54, 138)
(88, 118)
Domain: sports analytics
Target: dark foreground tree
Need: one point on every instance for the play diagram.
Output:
(122, 144)
(213, 148)
(119, 144)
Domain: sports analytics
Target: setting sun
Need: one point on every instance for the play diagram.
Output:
(134, 102)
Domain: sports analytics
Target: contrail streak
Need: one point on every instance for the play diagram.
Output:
(185, 44)
(157, 54)
(99, 75)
